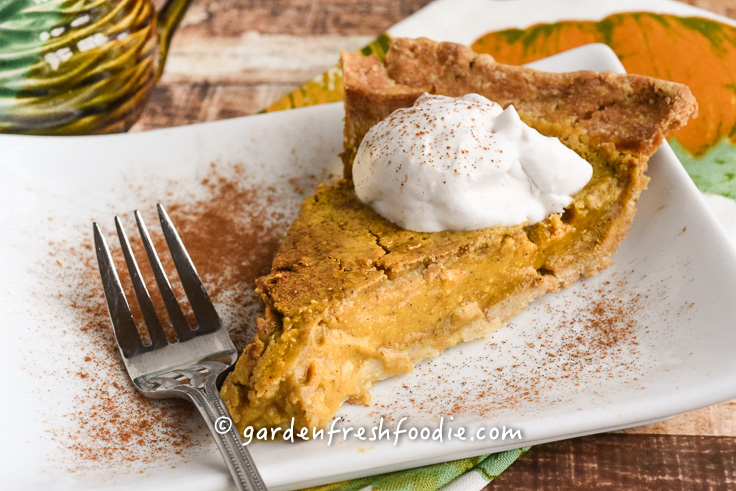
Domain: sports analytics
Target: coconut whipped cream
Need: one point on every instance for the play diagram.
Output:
(464, 164)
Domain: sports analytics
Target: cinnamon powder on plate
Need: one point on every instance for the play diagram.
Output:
(231, 234)
(580, 341)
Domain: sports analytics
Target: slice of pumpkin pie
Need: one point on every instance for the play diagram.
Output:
(352, 298)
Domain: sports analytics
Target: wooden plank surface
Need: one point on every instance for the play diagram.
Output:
(616, 461)
(234, 57)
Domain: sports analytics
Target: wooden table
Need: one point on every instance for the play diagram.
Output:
(234, 57)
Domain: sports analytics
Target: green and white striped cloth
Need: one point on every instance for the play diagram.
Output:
(458, 475)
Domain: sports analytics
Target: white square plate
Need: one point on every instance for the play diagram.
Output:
(667, 309)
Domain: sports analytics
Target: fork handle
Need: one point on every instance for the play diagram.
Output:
(241, 465)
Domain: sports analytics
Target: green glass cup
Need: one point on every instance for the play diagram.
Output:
(70, 67)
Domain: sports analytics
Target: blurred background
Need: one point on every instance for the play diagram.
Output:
(235, 57)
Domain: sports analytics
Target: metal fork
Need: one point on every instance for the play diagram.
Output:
(188, 368)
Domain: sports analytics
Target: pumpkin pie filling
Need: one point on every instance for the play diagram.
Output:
(353, 299)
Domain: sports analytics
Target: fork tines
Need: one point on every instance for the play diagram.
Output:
(122, 319)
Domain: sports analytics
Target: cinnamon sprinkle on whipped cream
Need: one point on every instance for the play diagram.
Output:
(464, 164)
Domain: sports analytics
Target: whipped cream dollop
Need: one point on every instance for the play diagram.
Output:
(464, 164)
